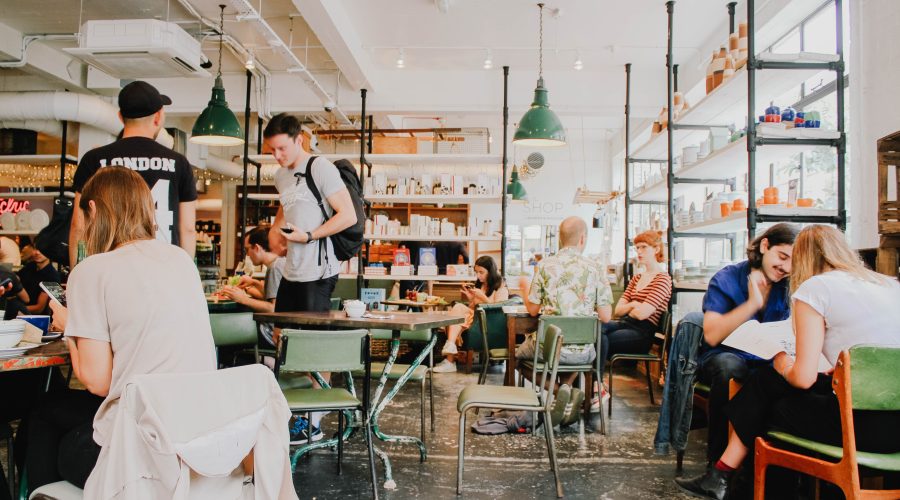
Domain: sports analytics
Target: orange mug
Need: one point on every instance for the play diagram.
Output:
(725, 209)
(738, 205)
(804, 202)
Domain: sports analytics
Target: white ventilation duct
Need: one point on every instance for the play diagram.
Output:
(43, 111)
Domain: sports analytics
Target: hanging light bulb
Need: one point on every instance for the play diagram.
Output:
(217, 125)
(539, 126)
(251, 62)
(579, 65)
(488, 60)
(401, 60)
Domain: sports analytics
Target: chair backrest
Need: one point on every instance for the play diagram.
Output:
(233, 329)
(491, 315)
(578, 329)
(551, 349)
(874, 378)
(323, 351)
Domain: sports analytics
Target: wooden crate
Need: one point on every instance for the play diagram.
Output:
(889, 184)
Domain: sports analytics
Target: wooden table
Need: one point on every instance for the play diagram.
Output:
(412, 303)
(46, 356)
(518, 323)
(398, 323)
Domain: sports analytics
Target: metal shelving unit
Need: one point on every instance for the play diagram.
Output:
(723, 164)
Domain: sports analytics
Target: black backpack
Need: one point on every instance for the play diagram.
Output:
(53, 240)
(346, 243)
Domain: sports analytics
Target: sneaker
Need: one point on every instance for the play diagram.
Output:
(449, 348)
(300, 433)
(599, 399)
(445, 366)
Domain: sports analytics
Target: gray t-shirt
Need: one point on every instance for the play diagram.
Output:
(273, 279)
(303, 262)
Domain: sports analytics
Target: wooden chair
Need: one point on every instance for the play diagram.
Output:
(874, 386)
(661, 339)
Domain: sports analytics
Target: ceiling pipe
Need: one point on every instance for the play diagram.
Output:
(28, 40)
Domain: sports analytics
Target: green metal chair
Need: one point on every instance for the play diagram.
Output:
(515, 398)
(579, 330)
(661, 339)
(865, 378)
(329, 351)
(490, 326)
(420, 374)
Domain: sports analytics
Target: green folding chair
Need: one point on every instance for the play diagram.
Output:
(490, 323)
(234, 329)
(661, 338)
(515, 398)
(578, 330)
(329, 351)
(865, 378)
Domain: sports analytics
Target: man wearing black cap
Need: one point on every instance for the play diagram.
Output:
(167, 173)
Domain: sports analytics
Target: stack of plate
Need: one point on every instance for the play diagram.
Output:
(10, 334)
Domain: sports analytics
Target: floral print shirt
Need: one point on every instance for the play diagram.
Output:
(569, 284)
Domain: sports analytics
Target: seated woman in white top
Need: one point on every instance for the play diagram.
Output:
(837, 304)
(489, 288)
(135, 306)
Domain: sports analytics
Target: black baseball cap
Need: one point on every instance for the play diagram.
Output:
(139, 99)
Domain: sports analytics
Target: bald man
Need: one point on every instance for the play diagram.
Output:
(568, 283)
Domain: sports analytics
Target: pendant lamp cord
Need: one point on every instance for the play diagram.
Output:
(221, 34)
(541, 44)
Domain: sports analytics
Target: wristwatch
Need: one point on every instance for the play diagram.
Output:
(309, 237)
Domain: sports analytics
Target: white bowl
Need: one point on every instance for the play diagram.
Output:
(23, 220)
(355, 310)
(10, 339)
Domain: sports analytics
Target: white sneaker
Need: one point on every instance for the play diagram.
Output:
(445, 367)
(449, 348)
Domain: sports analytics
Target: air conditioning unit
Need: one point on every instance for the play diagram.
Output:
(140, 48)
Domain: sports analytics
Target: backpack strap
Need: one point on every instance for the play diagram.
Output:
(311, 184)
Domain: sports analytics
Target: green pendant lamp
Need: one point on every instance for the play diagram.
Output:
(515, 189)
(217, 125)
(539, 126)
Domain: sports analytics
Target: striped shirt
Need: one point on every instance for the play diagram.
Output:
(657, 293)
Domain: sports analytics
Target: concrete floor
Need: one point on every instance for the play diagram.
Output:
(620, 465)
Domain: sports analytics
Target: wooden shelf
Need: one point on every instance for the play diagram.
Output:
(454, 200)
(409, 237)
(402, 159)
(38, 194)
(737, 222)
(691, 285)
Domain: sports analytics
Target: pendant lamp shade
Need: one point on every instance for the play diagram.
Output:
(539, 126)
(217, 125)
(515, 189)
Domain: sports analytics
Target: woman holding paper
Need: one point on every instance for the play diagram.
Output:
(488, 288)
(837, 303)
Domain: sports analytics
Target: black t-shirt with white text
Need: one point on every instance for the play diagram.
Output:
(167, 173)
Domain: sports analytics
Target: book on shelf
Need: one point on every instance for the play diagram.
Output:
(401, 270)
(766, 340)
(427, 257)
(375, 270)
(427, 270)
(401, 257)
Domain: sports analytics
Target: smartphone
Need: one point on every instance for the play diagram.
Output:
(5, 282)
(55, 291)
(287, 230)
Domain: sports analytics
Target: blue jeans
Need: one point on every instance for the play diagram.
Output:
(624, 337)
(678, 393)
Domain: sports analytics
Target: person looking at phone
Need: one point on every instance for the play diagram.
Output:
(301, 232)
(488, 288)
(117, 328)
(32, 273)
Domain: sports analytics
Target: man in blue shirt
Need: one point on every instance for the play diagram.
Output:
(753, 289)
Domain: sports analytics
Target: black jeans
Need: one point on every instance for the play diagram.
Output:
(60, 439)
(768, 401)
(715, 370)
(625, 337)
(312, 296)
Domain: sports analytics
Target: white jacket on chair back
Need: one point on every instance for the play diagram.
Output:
(184, 436)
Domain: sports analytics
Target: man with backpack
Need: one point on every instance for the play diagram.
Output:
(316, 208)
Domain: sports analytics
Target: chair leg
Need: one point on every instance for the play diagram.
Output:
(431, 388)
(759, 475)
(422, 411)
(551, 449)
(11, 463)
(470, 354)
(679, 462)
(340, 441)
(462, 448)
(371, 449)
(485, 363)
(649, 383)
(581, 418)
(610, 388)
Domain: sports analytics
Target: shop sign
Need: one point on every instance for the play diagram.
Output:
(543, 211)
(13, 206)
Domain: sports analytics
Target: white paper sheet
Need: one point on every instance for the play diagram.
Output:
(766, 340)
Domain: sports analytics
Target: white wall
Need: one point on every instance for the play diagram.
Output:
(873, 106)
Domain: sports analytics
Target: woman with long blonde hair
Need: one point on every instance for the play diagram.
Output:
(836, 303)
(135, 306)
